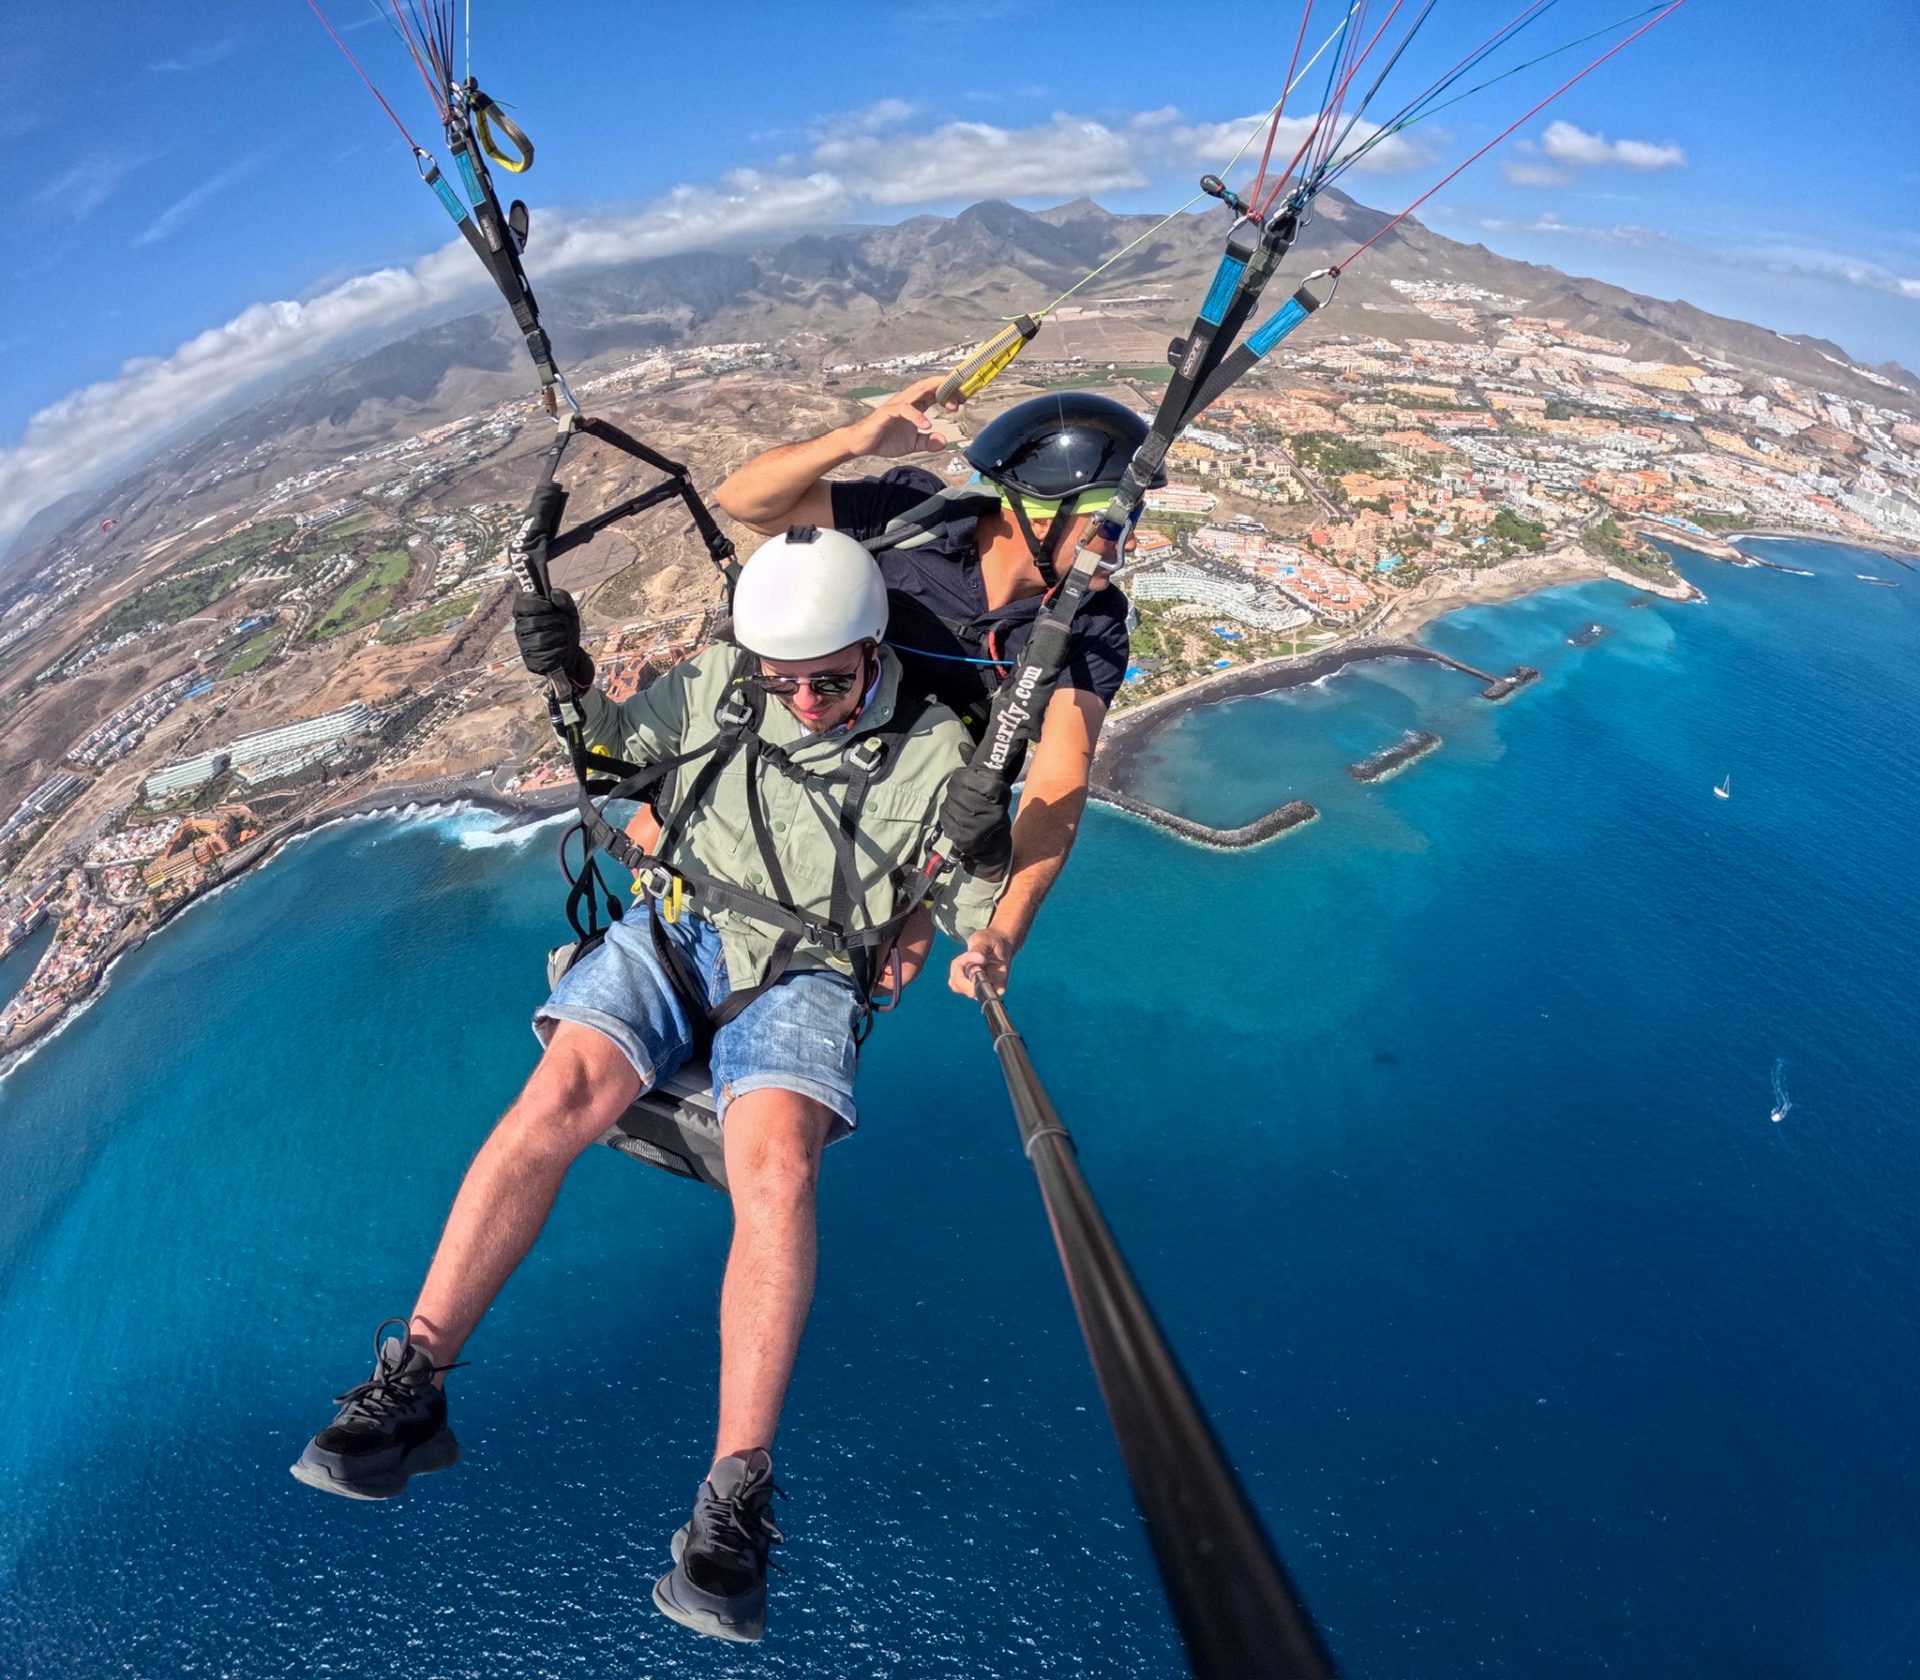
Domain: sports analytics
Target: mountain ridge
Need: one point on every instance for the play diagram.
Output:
(868, 292)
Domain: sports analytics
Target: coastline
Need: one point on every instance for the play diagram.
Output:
(1893, 550)
(1124, 741)
(1724, 546)
(473, 791)
(1122, 746)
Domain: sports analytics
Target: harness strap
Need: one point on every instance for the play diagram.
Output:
(866, 762)
(783, 948)
(924, 519)
(1253, 252)
(1042, 549)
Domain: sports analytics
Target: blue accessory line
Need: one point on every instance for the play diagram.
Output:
(1288, 316)
(956, 658)
(1225, 284)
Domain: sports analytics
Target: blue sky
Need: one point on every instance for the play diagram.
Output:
(205, 193)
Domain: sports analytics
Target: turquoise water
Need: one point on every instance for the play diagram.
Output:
(1438, 1132)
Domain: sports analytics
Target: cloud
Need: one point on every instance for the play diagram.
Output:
(200, 58)
(79, 190)
(183, 209)
(1212, 144)
(1566, 144)
(877, 118)
(1057, 159)
(123, 419)
(1624, 234)
(1532, 174)
(1793, 261)
(1835, 265)
(126, 417)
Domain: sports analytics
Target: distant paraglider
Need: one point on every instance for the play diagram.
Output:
(107, 525)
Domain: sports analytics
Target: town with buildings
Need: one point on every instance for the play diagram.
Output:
(1310, 506)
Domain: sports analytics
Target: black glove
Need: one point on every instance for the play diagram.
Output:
(973, 816)
(548, 632)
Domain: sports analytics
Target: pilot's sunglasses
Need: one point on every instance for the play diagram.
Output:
(829, 685)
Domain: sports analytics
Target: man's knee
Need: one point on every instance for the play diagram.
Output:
(773, 1142)
(582, 1084)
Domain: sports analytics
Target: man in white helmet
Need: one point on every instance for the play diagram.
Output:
(810, 786)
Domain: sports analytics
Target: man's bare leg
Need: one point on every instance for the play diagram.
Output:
(582, 1085)
(773, 1141)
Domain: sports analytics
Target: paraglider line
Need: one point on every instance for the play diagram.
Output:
(377, 94)
(1273, 127)
(1665, 12)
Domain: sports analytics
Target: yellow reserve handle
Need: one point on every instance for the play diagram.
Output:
(987, 363)
(485, 114)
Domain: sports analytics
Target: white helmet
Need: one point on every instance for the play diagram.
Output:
(808, 593)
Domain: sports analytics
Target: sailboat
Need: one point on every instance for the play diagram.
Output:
(1724, 790)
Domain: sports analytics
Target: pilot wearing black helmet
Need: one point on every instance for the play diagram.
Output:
(970, 589)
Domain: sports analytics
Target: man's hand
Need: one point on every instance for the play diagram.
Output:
(973, 816)
(987, 956)
(548, 631)
(899, 426)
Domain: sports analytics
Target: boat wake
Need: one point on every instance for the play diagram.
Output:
(1782, 1103)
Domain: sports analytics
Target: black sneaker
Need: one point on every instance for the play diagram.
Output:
(718, 1583)
(394, 1425)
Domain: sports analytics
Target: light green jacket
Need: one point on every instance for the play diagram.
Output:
(676, 714)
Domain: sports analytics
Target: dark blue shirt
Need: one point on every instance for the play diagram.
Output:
(944, 578)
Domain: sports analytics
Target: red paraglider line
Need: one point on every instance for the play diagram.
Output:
(1273, 128)
(1325, 123)
(313, 6)
(1475, 158)
(415, 49)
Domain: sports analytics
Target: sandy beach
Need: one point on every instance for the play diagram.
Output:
(1490, 585)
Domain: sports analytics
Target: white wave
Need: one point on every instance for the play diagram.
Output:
(473, 827)
(511, 831)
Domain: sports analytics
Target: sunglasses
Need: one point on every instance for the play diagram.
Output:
(829, 685)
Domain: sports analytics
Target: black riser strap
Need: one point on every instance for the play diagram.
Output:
(1019, 709)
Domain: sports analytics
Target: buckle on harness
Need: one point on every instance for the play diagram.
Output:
(735, 709)
(867, 754)
(667, 890)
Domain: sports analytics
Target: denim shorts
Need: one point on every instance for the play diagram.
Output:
(797, 1035)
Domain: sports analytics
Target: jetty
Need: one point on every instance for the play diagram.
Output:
(1388, 761)
(1124, 741)
(1501, 687)
(1294, 814)
(1491, 687)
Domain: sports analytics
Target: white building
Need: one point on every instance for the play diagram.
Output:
(1245, 603)
(1181, 498)
(170, 779)
(262, 746)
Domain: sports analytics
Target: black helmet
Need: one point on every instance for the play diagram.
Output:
(1056, 446)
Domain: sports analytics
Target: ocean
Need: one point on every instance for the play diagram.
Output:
(1440, 1133)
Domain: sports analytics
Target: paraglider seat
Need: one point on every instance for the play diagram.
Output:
(674, 1127)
